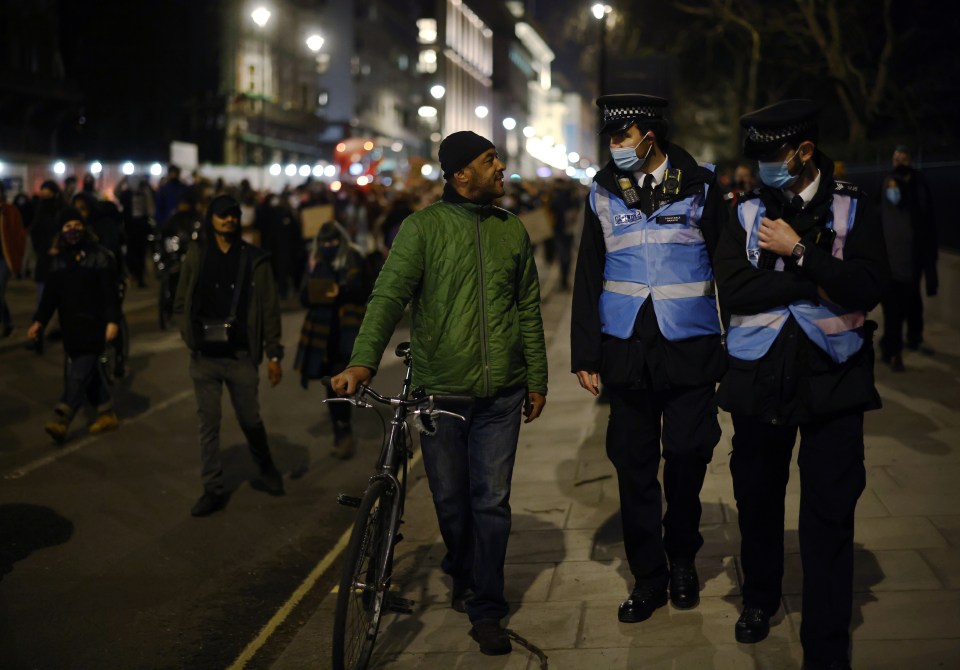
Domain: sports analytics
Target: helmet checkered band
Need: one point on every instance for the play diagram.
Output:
(776, 134)
(617, 113)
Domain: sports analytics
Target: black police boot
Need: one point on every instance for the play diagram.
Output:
(752, 626)
(642, 603)
(684, 585)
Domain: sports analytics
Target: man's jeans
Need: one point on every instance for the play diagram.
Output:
(242, 380)
(469, 466)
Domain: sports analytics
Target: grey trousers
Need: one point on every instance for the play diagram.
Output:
(242, 380)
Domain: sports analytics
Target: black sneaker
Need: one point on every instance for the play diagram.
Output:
(491, 637)
(752, 626)
(209, 503)
(272, 480)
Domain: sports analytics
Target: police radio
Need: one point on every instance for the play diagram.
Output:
(629, 190)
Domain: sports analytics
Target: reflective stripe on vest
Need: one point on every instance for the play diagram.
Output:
(836, 331)
(667, 260)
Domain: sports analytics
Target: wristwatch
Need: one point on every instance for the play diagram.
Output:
(797, 254)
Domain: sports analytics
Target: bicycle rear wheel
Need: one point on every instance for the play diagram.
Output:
(363, 586)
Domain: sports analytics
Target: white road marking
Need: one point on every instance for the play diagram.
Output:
(24, 470)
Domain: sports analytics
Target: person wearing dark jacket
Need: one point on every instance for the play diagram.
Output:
(230, 318)
(645, 323)
(797, 269)
(910, 230)
(81, 288)
(335, 291)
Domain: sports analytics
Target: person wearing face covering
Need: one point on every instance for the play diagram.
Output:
(910, 230)
(82, 288)
(798, 268)
(335, 291)
(467, 268)
(230, 320)
(645, 324)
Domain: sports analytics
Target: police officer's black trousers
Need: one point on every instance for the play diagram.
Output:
(690, 431)
(832, 477)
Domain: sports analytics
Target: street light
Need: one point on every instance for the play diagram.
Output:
(509, 123)
(261, 16)
(481, 111)
(437, 91)
(600, 12)
(315, 43)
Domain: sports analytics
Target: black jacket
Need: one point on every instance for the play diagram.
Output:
(647, 360)
(82, 288)
(796, 381)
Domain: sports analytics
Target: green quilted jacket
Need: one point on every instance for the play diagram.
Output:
(469, 273)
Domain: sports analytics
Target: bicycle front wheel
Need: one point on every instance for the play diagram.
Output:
(363, 586)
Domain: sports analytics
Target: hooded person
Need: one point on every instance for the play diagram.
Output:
(335, 291)
(81, 288)
(230, 320)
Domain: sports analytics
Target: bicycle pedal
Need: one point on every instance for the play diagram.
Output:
(400, 605)
(348, 501)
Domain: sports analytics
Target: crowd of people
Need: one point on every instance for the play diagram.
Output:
(688, 296)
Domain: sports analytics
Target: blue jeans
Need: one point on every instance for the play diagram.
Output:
(469, 466)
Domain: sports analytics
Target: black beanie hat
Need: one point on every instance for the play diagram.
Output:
(459, 149)
(68, 214)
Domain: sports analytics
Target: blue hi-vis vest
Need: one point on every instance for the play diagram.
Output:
(662, 256)
(838, 332)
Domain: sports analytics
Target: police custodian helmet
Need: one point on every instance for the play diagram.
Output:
(619, 111)
(787, 121)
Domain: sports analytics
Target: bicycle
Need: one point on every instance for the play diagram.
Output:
(368, 563)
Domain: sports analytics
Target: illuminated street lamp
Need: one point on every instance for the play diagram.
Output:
(261, 16)
(481, 111)
(315, 42)
(509, 123)
(437, 91)
(600, 12)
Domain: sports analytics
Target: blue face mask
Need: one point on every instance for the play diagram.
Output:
(627, 159)
(776, 174)
(893, 195)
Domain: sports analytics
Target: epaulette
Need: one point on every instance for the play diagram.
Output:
(846, 188)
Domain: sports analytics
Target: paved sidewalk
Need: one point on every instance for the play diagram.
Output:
(566, 572)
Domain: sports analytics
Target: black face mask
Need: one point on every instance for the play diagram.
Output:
(72, 237)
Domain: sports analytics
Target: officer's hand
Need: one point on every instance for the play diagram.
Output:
(347, 381)
(274, 372)
(112, 332)
(533, 405)
(589, 381)
(777, 236)
(34, 331)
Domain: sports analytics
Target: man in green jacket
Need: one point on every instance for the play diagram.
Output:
(231, 317)
(467, 268)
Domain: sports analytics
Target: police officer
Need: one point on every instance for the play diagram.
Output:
(797, 269)
(645, 323)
